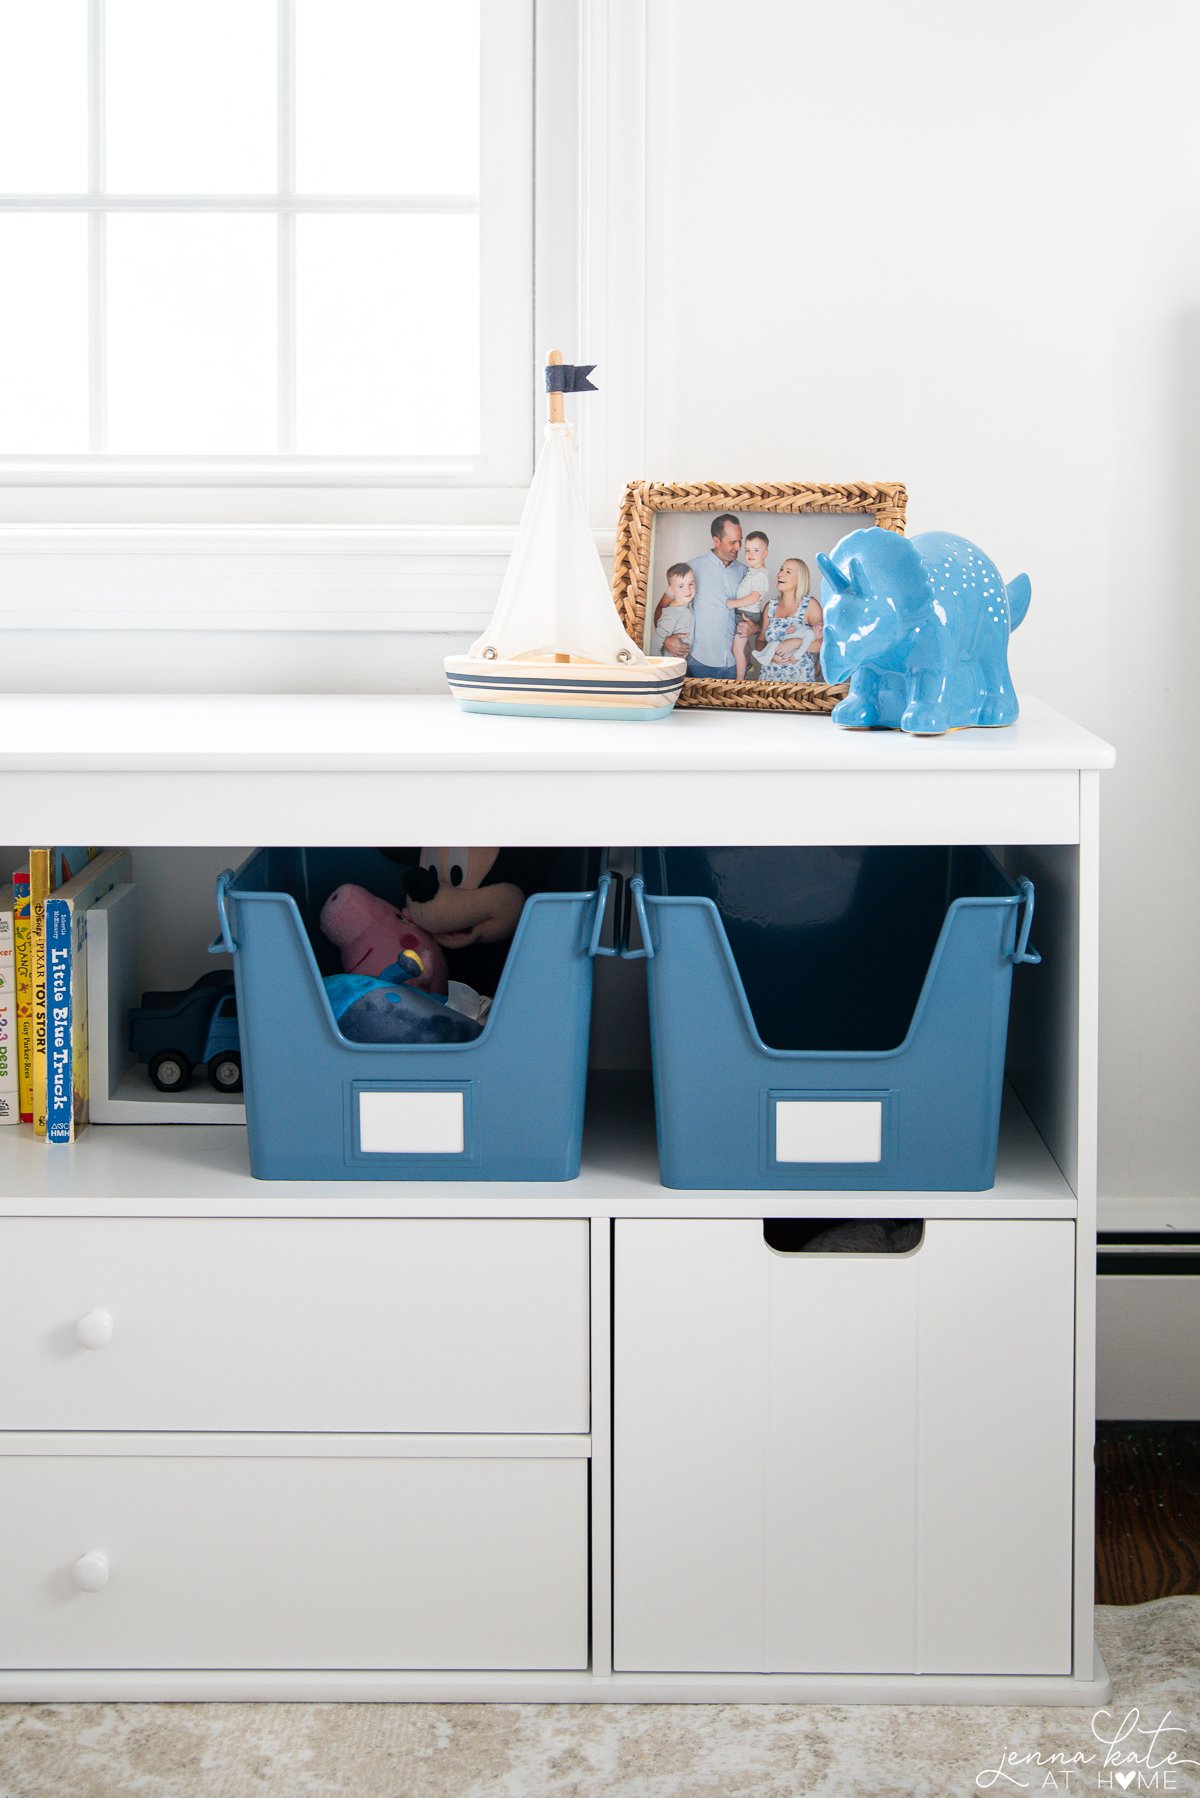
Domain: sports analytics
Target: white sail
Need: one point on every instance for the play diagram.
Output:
(555, 599)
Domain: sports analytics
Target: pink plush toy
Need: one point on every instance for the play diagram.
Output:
(372, 935)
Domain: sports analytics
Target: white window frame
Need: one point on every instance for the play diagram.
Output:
(505, 178)
(145, 549)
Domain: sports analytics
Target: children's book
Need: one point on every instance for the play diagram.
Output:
(66, 991)
(23, 959)
(48, 868)
(10, 1101)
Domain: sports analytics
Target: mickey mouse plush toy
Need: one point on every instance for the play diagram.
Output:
(471, 901)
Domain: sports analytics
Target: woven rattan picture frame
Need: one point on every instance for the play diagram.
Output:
(637, 576)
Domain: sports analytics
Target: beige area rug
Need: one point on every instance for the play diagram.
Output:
(629, 1751)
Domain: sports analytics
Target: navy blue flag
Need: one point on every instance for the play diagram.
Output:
(565, 377)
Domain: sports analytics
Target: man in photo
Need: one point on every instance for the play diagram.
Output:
(719, 573)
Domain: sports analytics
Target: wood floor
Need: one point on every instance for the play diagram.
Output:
(1147, 1511)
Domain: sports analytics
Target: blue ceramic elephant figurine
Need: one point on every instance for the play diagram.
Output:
(919, 626)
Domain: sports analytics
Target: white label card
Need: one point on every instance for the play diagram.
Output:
(828, 1130)
(410, 1123)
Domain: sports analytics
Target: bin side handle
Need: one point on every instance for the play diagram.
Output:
(637, 888)
(223, 943)
(1023, 952)
(603, 886)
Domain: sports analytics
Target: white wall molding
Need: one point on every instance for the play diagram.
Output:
(247, 578)
(1138, 1211)
(612, 241)
(590, 252)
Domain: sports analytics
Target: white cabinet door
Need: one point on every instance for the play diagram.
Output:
(377, 1560)
(843, 1463)
(414, 1324)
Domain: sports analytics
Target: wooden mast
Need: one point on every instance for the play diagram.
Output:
(556, 415)
(554, 401)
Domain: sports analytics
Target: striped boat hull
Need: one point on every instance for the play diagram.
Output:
(550, 689)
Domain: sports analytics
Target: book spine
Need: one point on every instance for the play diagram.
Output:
(23, 956)
(66, 992)
(60, 1111)
(10, 1102)
(39, 891)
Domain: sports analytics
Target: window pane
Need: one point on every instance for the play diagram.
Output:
(43, 334)
(191, 96)
(43, 96)
(387, 96)
(387, 335)
(191, 334)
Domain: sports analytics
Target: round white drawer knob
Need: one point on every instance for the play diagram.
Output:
(90, 1571)
(95, 1330)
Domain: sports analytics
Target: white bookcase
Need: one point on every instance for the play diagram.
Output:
(382, 1440)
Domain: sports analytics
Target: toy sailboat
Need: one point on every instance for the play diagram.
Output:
(555, 647)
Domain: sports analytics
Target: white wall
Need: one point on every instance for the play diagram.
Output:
(952, 244)
(955, 245)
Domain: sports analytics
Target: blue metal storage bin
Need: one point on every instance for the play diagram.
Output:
(829, 1018)
(507, 1106)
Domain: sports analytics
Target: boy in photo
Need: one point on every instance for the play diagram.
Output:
(751, 595)
(673, 615)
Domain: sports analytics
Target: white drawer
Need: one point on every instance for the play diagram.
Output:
(380, 1559)
(843, 1462)
(258, 1324)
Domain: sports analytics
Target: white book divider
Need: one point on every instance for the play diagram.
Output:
(121, 1090)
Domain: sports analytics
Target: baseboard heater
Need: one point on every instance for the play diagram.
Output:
(1148, 1325)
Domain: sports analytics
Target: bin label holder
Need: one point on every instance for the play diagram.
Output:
(407, 1119)
(817, 1127)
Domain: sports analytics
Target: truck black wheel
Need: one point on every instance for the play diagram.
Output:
(170, 1070)
(225, 1072)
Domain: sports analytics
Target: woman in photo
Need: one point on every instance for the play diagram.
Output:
(789, 637)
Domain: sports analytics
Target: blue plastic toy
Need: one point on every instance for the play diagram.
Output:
(920, 627)
(176, 1032)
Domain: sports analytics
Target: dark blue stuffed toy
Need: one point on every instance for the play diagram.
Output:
(384, 1008)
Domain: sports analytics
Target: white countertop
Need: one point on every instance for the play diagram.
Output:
(339, 733)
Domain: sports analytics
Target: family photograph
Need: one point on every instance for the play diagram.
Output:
(736, 594)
